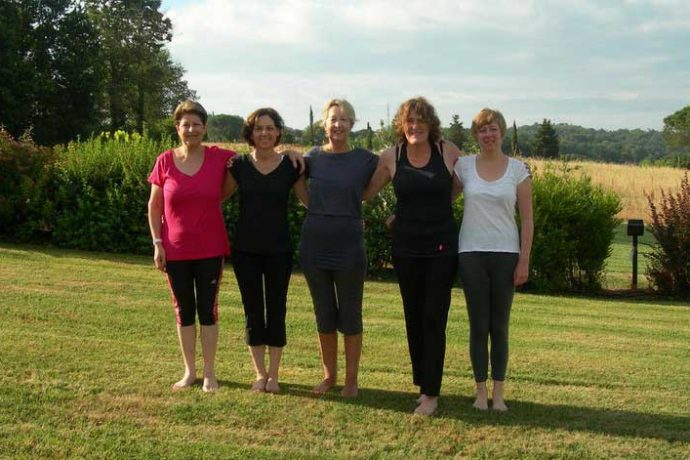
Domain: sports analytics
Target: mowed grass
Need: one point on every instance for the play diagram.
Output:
(618, 272)
(89, 352)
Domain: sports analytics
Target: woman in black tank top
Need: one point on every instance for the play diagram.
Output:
(424, 225)
(424, 238)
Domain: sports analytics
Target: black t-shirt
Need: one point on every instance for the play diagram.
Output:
(262, 227)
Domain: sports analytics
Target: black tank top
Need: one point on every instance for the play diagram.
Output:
(424, 224)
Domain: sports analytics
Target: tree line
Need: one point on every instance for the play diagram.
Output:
(71, 68)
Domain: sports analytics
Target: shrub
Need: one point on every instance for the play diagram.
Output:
(25, 172)
(668, 268)
(574, 224)
(102, 192)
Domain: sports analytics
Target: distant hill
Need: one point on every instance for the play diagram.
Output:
(576, 142)
(619, 146)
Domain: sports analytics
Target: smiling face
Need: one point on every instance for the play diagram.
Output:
(338, 125)
(190, 129)
(489, 136)
(416, 128)
(265, 134)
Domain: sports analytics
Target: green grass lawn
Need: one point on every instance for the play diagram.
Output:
(619, 264)
(88, 353)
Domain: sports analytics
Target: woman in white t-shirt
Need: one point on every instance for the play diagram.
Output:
(493, 257)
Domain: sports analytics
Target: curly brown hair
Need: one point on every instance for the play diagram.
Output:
(248, 127)
(425, 110)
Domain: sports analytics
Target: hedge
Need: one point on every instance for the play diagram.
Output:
(93, 194)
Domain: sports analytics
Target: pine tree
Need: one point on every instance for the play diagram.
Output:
(456, 133)
(546, 144)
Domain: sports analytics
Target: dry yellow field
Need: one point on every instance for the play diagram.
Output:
(630, 182)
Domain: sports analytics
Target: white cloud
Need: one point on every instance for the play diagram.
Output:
(420, 15)
(215, 23)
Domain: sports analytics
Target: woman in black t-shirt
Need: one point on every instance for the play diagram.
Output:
(261, 249)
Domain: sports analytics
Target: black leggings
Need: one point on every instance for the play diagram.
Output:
(263, 280)
(425, 285)
(487, 280)
(194, 285)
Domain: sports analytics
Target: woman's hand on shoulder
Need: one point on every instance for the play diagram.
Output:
(296, 158)
(451, 151)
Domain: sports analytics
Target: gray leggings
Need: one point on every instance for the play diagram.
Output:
(337, 297)
(487, 281)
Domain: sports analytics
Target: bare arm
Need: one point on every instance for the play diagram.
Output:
(457, 188)
(229, 186)
(451, 153)
(301, 192)
(155, 223)
(383, 174)
(524, 201)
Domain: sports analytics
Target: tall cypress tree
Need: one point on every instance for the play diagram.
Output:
(546, 144)
(310, 135)
(514, 145)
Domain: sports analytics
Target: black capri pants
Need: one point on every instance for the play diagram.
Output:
(263, 280)
(194, 285)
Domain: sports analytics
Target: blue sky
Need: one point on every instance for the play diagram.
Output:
(600, 64)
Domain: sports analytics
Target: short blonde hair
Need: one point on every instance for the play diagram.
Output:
(343, 104)
(485, 117)
(187, 107)
(425, 110)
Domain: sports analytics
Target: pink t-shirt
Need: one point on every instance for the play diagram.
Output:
(193, 225)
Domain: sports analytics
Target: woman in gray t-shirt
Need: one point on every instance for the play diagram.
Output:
(332, 253)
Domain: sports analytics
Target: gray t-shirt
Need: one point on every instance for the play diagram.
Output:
(333, 234)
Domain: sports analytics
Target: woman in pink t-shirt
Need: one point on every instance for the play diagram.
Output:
(189, 238)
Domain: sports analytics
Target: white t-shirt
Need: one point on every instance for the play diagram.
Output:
(488, 222)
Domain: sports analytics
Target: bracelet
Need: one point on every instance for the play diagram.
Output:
(157, 241)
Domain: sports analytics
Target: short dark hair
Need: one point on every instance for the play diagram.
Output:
(248, 127)
(188, 106)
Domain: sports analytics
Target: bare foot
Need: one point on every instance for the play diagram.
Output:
(259, 385)
(481, 403)
(427, 405)
(324, 386)
(210, 384)
(499, 405)
(186, 381)
(272, 386)
(349, 391)
(497, 397)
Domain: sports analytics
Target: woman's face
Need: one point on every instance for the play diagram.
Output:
(265, 133)
(489, 136)
(416, 128)
(338, 125)
(191, 129)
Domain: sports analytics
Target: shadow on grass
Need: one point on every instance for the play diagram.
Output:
(672, 428)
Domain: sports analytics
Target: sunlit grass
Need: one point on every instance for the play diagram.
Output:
(89, 352)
